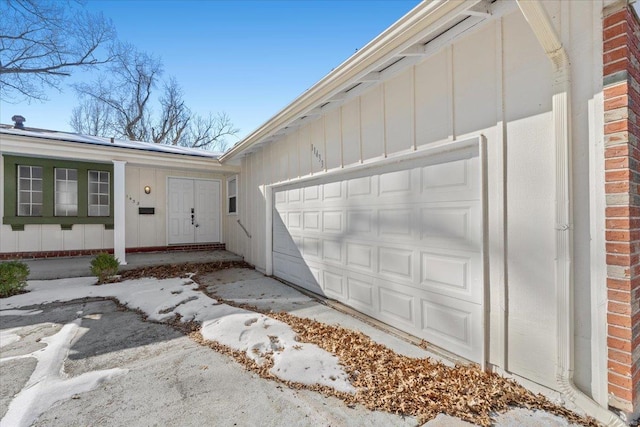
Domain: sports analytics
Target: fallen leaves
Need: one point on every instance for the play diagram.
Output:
(420, 387)
(385, 380)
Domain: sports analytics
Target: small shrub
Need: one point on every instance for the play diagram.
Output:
(104, 266)
(13, 278)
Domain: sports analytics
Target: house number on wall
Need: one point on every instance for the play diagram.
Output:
(317, 155)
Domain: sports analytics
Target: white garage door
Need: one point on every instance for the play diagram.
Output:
(401, 243)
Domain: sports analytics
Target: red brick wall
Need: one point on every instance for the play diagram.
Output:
(622, 105)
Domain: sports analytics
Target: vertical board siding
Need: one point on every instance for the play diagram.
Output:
(530, 203)
(495, 81)
(433, 100)
(474, 82)
(398, 95)
(351, 132)
(372, 124)
(333, 139)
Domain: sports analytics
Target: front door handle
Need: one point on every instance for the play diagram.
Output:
(193, 216)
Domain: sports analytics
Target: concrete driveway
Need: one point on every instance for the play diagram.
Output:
(170, 379)
(151, 374)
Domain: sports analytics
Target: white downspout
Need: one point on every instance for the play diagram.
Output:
(543, 29)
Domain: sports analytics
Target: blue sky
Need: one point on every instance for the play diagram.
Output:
(246, 58)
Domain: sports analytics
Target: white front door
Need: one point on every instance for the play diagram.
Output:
(194, 211)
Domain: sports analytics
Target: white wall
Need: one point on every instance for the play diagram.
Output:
(151, 230)
(495, 81)
(141, 230)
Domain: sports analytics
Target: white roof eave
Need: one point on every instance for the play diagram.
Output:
(408, 30)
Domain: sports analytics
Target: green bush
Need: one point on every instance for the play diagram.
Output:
(104, 266)
(13, 278)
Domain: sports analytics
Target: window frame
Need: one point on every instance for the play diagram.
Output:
(17, 223)
(99, 193)
(57, 191)
(234, 196)
(19, 190)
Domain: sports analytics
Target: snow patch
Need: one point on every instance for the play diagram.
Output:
(162, 300)
(262, 337)
(19, 312)
(48, 383)
(9, 336)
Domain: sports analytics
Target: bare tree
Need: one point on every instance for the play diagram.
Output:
(127, 92)
(210, 132)
(92, 118)
(42, 41)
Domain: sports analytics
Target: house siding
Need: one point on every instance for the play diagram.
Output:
(621, 73)
(495, 81)
(142, 168)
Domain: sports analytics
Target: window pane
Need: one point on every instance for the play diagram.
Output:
(25, 184)
(232, 187)
(232, 205)
(72, 211)
(93, 188)
(93, 199)
(36, 197)
(36, 210)
(104, 188)
(93, 176)
(36, 185)
(36, 172)
(24, 210)
(104, 210)
(104, 177)
(25, 197)
(61, 173)
(72, 174)
(24, 171)
(104, 200)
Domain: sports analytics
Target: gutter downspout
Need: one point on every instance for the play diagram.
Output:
(542, 27)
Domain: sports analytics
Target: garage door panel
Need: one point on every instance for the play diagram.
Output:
(311, 193)
(281, 198)
(453, 225)
(332, 251)
(293, 196)
(295, 270)
(458, 180)
(294, 221)
(452, 273)
(360, 222)
(397, 307)
(359, 188)
(333, 221)
(395, 223)
(311, 221)
(332, 191)
(360, 292)
(311, 247)
(361, 257)
(396, 184)
(397, 263)
(401, 243)
(453, 325)
(333, 284)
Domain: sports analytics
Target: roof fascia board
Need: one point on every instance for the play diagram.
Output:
(41, 147)
(400, 36)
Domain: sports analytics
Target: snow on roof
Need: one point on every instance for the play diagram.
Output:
(107, 142)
